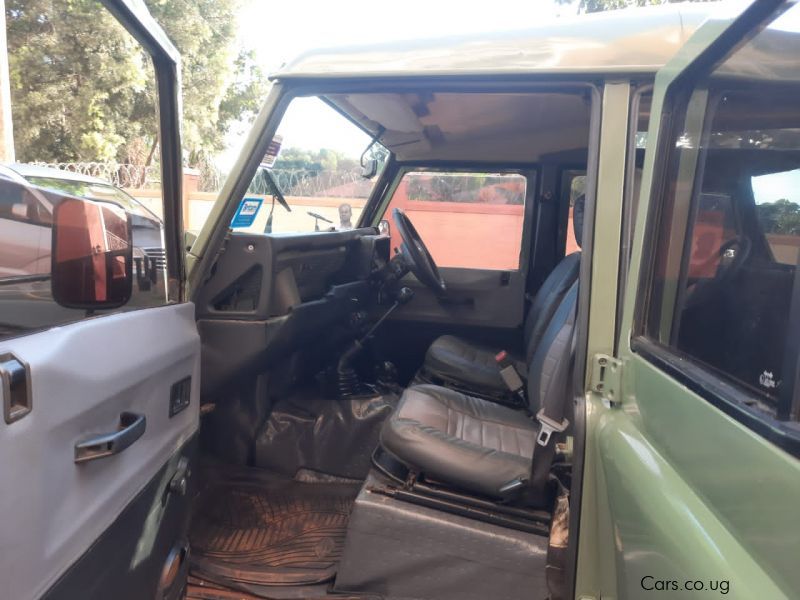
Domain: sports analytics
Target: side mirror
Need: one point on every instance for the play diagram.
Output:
(92, 258)
(384, 228)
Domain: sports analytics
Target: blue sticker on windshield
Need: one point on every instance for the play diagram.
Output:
(246, 213)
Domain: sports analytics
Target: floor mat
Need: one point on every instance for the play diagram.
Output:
(252, 527)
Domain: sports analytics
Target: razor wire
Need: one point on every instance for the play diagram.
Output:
(345, 183)
(119, 174)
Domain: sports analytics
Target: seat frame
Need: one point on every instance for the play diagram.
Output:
(411, 488)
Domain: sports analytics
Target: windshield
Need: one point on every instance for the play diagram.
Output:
(95, 191)
(317, 171)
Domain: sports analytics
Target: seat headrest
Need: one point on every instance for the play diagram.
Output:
(577, 219)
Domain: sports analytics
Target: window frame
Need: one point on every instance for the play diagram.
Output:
(720, 390)
(629, 201)
(531, 172)
(567, 171)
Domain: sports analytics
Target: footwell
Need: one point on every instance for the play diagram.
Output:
(253, 527)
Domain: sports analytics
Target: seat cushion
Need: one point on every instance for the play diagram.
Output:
(470, 443)
(467, 364)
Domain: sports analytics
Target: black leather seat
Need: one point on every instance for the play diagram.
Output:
(463, 364)
(472, 366)
(472, 443)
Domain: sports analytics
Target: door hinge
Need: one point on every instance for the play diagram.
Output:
(607, 378)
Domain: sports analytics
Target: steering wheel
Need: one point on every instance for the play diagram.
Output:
(733, 254)
(416, 254)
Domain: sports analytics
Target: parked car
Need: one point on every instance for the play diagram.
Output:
(26, 221)
(29, 195)
(310, 414)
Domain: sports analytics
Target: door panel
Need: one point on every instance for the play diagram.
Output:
(692, 481)
(164, 508)
(474, 297)
(83, 377)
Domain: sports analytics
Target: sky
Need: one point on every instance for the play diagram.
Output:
(279, 31)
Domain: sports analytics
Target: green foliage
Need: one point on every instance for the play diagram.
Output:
(83, 90)
(780, 217)
(592, 6)
(315, 161)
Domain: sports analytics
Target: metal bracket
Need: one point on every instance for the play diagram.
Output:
(607, 378)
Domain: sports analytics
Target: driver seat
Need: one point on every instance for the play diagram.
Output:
(467, 365)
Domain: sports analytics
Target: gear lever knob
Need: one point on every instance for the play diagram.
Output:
(404, 295)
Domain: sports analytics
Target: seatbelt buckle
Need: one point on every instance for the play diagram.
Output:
(548, 427)
(509, 373)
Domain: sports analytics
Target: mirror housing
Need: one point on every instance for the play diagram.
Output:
(92, 254)
(384, 228)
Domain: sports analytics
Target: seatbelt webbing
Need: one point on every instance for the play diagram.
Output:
(551, 420)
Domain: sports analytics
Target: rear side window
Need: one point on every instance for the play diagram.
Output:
(469, 220)
(777, 197)
(573, 186)
(723, 290)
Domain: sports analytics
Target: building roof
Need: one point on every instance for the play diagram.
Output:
(637, 40)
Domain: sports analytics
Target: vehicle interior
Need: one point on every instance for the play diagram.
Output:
(381, 418)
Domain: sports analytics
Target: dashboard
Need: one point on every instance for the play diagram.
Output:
(269, 295)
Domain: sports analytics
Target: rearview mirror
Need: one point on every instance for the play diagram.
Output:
(92, 258)
(369, 168)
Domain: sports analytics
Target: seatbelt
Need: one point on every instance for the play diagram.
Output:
(511, 376)
(551, 420)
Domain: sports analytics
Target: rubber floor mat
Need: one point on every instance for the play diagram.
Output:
(252, 527)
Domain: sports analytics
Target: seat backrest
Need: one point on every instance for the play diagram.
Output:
(549, 296)
(548, 371)
(547, 300)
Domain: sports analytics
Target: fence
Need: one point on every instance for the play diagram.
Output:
(119, 174)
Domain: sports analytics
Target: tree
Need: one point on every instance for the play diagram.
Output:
(221, 85)
(315, 161)
(779, 217)
(83, 90)
(591, 6)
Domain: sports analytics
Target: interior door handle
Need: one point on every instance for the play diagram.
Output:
(131, 428)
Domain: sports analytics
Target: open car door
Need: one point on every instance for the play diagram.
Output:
(693, 477)
(100, 374)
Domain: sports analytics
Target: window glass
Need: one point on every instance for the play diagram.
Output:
(315, 161)
(729, 234)
(471, 220)
(84, 125)
(573, 186)
(777, 197)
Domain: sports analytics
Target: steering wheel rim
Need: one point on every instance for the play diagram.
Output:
(416, 254)
(725, 272)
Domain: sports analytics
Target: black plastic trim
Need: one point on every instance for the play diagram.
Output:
(150, 528)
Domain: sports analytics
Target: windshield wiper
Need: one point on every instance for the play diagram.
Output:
(276, 192)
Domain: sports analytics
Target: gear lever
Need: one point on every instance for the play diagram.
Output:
(348, 382)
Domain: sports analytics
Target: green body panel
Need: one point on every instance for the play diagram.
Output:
(674, 488)
(607, 233)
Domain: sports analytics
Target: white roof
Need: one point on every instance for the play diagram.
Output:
(637, 40)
